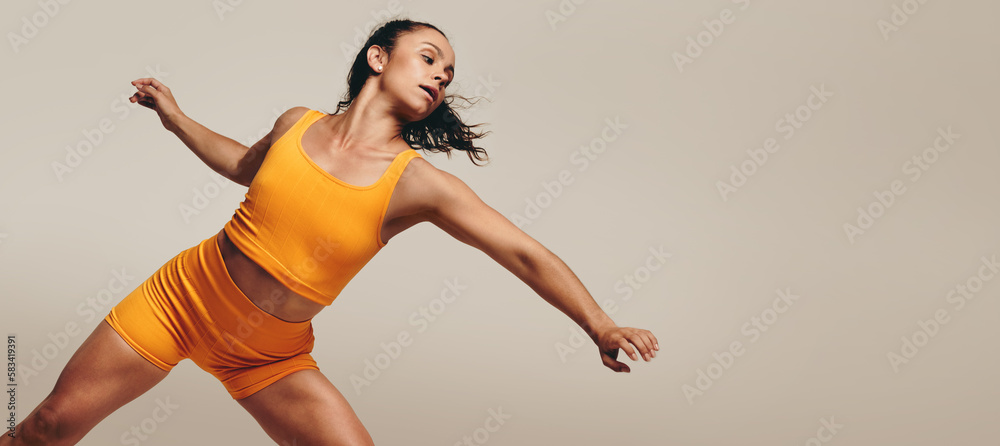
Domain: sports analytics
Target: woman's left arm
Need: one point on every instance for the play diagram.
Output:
(457, 210)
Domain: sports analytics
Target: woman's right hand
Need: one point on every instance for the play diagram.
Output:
(153, 95)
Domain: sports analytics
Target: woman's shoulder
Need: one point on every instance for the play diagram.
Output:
(287, 120)
(435, 183)
(293, 115)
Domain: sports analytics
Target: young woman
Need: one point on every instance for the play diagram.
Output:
(326, 192)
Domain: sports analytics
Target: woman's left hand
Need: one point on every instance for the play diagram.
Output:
(614, 338)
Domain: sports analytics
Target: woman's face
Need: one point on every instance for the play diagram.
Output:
(421, 67)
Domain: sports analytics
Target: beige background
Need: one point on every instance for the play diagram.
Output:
(654, 186)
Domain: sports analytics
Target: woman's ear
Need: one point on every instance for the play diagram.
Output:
(376, 58)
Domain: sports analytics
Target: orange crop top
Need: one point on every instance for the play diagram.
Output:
(310, 230)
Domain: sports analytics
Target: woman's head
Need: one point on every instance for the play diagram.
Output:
(402, 59)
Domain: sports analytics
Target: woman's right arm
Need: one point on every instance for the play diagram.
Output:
(226, 156)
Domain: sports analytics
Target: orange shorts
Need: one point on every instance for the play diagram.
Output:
(190, 308)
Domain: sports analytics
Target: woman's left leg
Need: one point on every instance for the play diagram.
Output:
(263, 361)
(303, 409)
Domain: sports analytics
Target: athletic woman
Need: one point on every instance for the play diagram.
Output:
(326, 192)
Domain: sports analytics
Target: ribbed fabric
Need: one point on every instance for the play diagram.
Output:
(191, 308)
(310, 230)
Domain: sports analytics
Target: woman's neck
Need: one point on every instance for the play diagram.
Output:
(367, 123)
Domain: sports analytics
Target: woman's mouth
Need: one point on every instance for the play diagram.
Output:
(430, 93)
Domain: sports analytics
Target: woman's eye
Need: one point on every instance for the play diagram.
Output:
(429, 60)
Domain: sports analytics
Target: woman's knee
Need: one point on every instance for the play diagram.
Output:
(59, 419)
(43, 426)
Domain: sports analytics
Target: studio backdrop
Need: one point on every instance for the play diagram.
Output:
(798, 199)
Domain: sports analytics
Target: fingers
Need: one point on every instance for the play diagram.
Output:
(156, 84)
(645, 344)
(149, 81)
(623, 344)
(139, 93)
(644, 347)
(612, 364)
(143, 99)
(152, 94)
(150, 86)
(643, 340)
(624, 338)
(148, 92)
(139, 83)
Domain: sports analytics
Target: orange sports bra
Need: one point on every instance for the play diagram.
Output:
(310, 230)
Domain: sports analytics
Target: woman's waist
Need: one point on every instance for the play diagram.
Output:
(262, 288)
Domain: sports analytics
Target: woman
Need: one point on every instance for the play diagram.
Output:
(326, 192)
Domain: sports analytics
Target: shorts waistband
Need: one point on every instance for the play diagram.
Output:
(230, 308)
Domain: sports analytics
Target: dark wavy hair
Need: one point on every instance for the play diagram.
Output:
(442, 130)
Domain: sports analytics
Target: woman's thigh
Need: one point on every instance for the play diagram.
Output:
(103, 374)
(304, 408)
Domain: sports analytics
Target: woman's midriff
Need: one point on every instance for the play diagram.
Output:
(262, 288)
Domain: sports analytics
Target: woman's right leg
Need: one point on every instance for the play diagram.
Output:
(104, 374)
